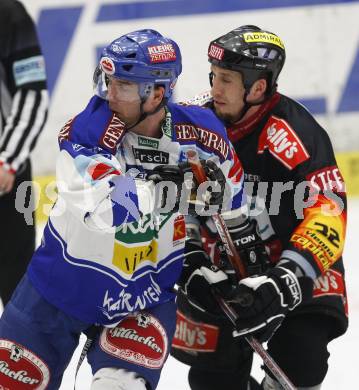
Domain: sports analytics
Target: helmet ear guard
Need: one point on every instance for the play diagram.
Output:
(253, 52)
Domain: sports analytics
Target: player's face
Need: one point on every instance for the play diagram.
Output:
(124, 99)
(228, 92)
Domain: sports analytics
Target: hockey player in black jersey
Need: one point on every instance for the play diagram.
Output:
(23, 112)
(292, 245)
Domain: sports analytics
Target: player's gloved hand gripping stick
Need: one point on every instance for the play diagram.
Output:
(240, 270)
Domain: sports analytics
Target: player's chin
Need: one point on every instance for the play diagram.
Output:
(222, 114)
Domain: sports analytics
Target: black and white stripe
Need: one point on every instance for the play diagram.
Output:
(23, 127)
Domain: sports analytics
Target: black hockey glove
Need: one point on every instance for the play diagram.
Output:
(200, 278)
(249, 245)
(275, 293)
(184, 196)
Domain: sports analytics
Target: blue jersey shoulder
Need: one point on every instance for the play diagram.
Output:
(200, 125)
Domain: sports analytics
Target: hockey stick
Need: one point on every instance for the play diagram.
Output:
(200, 175)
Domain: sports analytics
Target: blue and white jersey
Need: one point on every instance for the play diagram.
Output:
(106, 251)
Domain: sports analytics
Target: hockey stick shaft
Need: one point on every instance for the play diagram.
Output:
(221, 227)
(236, 261)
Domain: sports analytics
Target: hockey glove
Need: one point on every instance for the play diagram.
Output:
(186, 198)
(249, 245)
(275, 293)
(200, 278)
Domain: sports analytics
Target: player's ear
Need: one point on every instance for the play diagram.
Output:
(158, 93)
(257, 90)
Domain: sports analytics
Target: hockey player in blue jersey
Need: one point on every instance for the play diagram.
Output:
(113, 247)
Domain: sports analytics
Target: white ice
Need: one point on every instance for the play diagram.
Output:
(344, 351)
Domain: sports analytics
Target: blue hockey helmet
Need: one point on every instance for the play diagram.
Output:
(144, 57)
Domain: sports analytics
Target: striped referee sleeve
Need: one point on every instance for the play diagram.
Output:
(23, 127)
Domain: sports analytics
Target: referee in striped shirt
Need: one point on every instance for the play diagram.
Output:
(23, 109)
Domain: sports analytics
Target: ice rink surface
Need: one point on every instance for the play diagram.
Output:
(344, 351)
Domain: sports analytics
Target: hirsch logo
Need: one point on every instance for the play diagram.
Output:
(282, 142)
(151, 156)
(107, 65)
(162, 53)
(216, 52)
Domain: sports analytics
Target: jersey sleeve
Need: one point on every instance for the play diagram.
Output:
(318, 241)
(24, 94)
(93, 187)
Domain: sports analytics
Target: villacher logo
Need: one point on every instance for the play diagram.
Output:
(21, 369)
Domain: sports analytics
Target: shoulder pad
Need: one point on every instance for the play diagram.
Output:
(282, 142)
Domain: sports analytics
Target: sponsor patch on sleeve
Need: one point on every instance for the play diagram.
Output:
(282, 142)
(29, 70)
(140, 339)
(320, 234)
(20, 368)
(327, 179)
(331, 283)
(194, 336)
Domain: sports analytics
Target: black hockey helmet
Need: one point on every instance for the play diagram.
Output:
(253, 52)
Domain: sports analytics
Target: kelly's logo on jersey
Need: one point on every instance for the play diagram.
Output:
(282, 142)
(212, 141)
(151, 156)
(194, 336)
(162, 53)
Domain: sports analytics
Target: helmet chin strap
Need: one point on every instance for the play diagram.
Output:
(144, 115)
(248, 105)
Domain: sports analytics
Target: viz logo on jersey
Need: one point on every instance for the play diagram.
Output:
(162, 53)
(282, 142)
(215, 52)
(107, 65)
(21, 369)
(139, 339)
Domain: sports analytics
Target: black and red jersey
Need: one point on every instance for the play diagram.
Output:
(297, 193)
